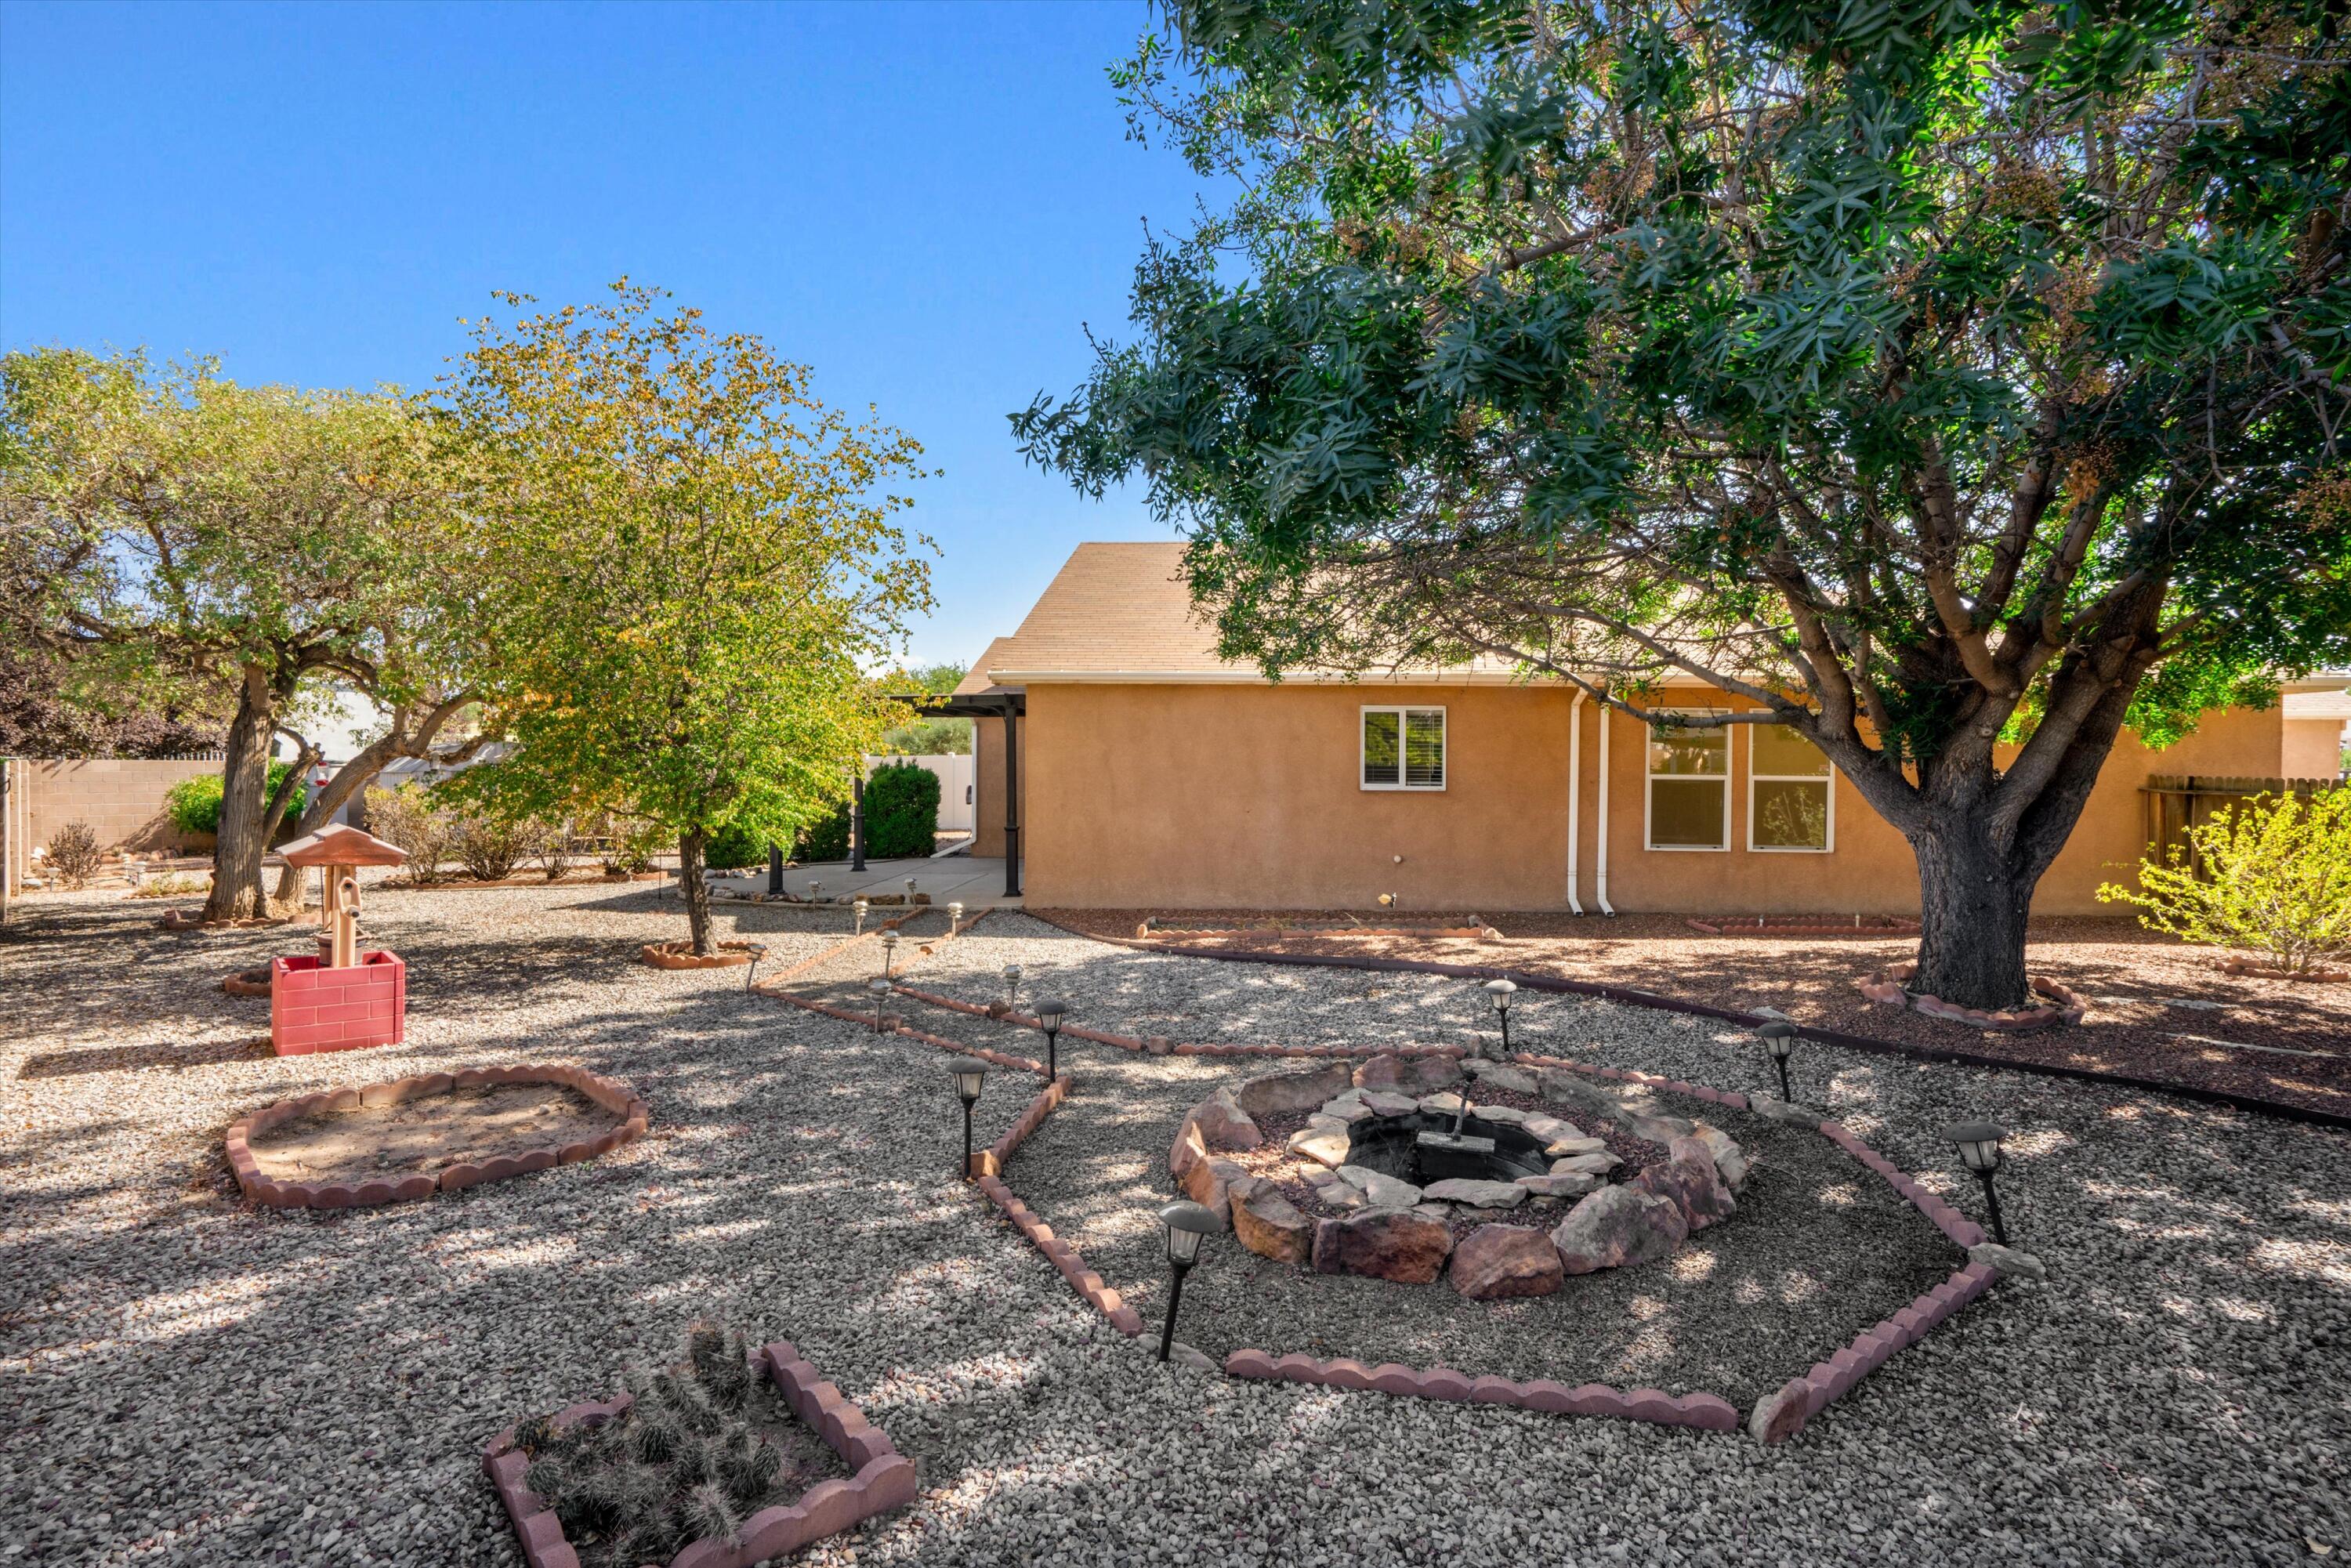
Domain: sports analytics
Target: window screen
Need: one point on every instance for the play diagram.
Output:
(1787, 792)
(1690, 785)
(1403, 748)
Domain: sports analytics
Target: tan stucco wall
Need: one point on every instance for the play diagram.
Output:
(2314, 747)
(1244, 796)
(987, 798)
(120, 797)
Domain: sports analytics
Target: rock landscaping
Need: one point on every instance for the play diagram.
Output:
(2152, 1373)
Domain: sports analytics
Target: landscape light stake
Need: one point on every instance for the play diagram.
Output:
(1188, 1224)
(1779, 1038)
(910, 891)
(1502, 992)
(1011, 984)
(880, 990)
(954, 919)
(969, 1073)
(860, 918)
(1978, 1144)
(1050, 1014)
(889, 951)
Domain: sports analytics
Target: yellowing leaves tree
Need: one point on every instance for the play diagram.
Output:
(691, 562)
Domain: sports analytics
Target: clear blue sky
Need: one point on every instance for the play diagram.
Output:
(926, 203)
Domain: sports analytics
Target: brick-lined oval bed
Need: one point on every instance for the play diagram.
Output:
(247, 983)
(1891, 988)
(682, 956)
(627, 1114)
(881, 1478)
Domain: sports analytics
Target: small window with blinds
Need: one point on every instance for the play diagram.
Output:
(1403, 748)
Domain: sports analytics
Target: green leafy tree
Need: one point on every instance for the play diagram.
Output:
(2273, 876)
(693, 561)
(177, 530)
(1938, 377)
(930, 737)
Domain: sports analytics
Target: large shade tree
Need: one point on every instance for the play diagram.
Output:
(691, 564)
(172, 529)
(1955, 383)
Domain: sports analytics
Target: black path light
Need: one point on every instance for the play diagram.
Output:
(880, 989)
(1502, 992)
(1188, 1224)
(1011, 984)
(889, 951)
(969, 1073)
(1049, 1016)
(1779, 1038)
(1979, 1144)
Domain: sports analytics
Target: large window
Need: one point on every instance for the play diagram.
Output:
(1790, 801)
(1689, 787)
(1403, 748)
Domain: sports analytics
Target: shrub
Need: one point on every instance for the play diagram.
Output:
(631, 844)
(546, 843)
(74, 854)
(2274, 878)
(732, 848)
(172, 885)
(195, 804)
(490, 846)
(826, 839)
(410, 818)
(902, 811)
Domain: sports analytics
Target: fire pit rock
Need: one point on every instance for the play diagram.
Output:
(1388, 1177)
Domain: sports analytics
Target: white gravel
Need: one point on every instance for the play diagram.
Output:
(189, 1383)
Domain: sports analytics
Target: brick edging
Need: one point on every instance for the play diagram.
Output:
(893, 1024)
(610, 1093)
(1527, 981)
(1098, 1294)
(882, 1478)
(1707, 1412)
(1780, 1415)
(803, 965)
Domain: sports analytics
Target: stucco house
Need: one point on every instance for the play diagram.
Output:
(1148, 773)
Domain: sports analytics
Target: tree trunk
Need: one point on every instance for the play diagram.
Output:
(1972, 907)
(355, 776)
(695, 890)
(243, 836)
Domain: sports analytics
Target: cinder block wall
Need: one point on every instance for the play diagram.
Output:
(120, 797)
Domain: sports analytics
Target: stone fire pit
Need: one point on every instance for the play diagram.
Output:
(1337, 1170)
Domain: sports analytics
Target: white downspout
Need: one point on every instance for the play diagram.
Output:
(1601, 887)
(1574, 799)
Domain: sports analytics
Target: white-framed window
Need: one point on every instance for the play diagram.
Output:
(1688, 805)
(1402, 748)
(1791, 793)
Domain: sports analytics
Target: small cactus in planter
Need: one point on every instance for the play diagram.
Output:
(703, 1443)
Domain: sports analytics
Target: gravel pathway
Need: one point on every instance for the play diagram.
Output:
(191, 1383)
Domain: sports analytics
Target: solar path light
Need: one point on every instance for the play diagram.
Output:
(1979, 1145)
(1187, 1224)
(1779, 1038)
(889, 951)
(969, 1073)
(1050, 1014)
(880, 990)
(1502, 992)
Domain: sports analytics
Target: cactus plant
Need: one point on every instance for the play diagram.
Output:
(703, 1443)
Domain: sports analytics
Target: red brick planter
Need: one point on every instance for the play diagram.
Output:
(882, 1478)
(314, 1009)
(610, 1093)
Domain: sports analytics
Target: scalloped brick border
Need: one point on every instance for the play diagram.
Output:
(1707, 1412)
(236, 985)
(1159, 1045)
(610, 1093)
(1800, 926)
(884, 1479)
(1890, 988)
(681, 954)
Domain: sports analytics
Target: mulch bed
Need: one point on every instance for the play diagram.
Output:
(2159, 1010)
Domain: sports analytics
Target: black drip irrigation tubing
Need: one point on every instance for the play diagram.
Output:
(2254, 1105)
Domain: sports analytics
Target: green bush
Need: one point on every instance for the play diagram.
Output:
(732, 848)
(826, 839)
(902, 811)
(2272, 878)
(195, 804)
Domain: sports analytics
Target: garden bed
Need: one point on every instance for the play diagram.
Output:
(389, 1143)
(682, 956)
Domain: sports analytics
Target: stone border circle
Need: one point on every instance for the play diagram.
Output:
(610, 1093)
(882, 1478)
(2066, 1006)
(681, 954)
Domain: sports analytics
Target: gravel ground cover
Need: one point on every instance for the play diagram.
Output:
(2159, 1008)
(191, 1382)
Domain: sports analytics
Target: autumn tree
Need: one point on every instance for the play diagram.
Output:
(1953, 382)
(253, 541)
(691, 564)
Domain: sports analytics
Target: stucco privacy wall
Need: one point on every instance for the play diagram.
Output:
(2313, 748)
(987, 771)
(120, 797)
(1239, 796)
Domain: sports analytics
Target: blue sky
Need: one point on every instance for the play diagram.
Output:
(925, 202)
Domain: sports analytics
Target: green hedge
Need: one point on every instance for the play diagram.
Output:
(902, 811)
(195, 804)
(731, 847)
(826, 839)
